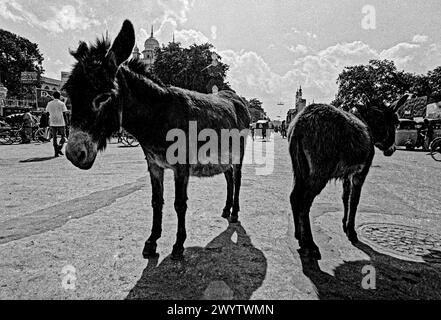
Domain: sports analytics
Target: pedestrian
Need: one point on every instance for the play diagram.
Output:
(429, 133)
(57, 122)
(26, 132)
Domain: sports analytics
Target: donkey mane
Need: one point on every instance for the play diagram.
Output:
(95, 53)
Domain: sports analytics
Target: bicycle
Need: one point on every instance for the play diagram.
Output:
(435, 149)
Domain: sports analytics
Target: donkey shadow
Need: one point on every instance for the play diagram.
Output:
(396, 279)
(223, 270)
(42, 159)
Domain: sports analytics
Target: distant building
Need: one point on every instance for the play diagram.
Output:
(299, 106)
(148, 54)
(50, 84)
(300, 102)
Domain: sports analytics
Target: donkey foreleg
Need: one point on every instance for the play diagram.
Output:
(181, 183)
(356, 186)
(157, 182)
(230, 189)
(345, 198)
(237, 173)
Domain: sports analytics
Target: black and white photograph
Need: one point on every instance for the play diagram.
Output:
(214, 158)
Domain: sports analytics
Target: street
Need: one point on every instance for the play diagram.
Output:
(71, 234)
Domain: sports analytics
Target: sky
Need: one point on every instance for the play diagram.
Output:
(272, 46)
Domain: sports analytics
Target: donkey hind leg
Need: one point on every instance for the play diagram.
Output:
(157, 181)
(304, 200)
(357, 182)
(181, 183)
(237, 174)
(345, 198)
(230, 189)
(295, 206)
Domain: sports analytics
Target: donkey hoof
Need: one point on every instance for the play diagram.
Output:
(177, 253)
(149, 250)
(234, 219)
(352, 236)
(226, 214)
(312, 252)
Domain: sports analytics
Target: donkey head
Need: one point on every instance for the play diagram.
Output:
(382, 121)
(96, 113)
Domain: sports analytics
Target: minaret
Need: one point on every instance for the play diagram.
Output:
(151, 34)
(136, 53)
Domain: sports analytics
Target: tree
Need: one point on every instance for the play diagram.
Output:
(379, 80)
(434, 80)
(256, 110)
(18, 54)
(190, 68)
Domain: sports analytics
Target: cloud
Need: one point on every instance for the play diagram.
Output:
(64, 18)
(300, 49)
(317, 72)
(213, 32)
(420, 38)
(189, 37)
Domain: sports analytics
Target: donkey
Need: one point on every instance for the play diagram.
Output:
(108, 92)
(327, 143)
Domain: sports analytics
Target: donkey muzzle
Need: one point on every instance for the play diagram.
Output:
(389, 152)
(81, 150)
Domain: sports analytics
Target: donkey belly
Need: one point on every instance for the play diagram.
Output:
(208, 170)
(343, 170)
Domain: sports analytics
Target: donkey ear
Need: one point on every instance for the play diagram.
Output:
(81, 51)
(123, 45)
(397, 105)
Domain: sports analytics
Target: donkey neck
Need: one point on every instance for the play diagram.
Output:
(143, 103)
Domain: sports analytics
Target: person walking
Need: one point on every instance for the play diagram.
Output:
(57, 109)
(26, 133)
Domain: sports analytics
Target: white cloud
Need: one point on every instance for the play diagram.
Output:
(64, 18)
(317, 72)
(300, 49)
(189, 37)
(213, 32)
(420, 38)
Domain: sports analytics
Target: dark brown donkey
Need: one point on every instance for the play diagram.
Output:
(107, 93)
(327, 143)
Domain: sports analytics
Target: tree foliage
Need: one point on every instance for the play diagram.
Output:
(190, 68)
(18, 54)
(380, 80)
(256, 110)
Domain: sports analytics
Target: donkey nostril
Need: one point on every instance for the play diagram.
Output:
(82, 156)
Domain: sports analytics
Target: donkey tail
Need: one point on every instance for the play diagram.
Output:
(298, 157)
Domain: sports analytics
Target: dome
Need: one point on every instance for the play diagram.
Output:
(151, 43)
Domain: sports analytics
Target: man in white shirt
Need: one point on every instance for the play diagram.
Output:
(57, 123)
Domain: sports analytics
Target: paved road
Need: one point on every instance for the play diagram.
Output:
(71, 234)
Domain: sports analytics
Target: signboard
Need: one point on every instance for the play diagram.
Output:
(28, 77)
(44, 96)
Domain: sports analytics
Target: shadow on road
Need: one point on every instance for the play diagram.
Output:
(37, 159)
(395, 278)
(222, 270)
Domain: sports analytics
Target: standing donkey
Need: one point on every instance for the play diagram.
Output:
(108, 93)
(327, 143)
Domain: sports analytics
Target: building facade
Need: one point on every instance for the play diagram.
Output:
(300, 104)
(148, 54)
